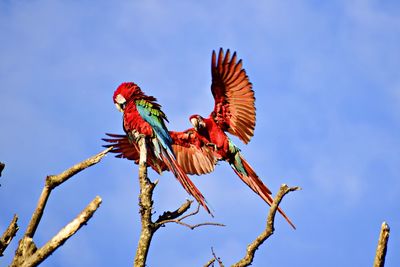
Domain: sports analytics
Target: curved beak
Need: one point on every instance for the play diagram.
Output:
(195, 123)
(120, 107)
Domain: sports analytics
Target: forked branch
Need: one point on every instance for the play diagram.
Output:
(27, 253)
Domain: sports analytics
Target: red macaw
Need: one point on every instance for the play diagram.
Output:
(143, 122)
(234, 112)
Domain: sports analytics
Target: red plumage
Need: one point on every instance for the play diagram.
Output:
(234, 112)
(144, 120)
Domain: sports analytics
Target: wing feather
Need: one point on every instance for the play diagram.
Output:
(234, 109)
(192, 152)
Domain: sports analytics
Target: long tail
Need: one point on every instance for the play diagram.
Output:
(246, 173)
(188, 185)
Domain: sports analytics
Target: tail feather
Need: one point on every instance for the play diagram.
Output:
(254, 182)
(188, 185)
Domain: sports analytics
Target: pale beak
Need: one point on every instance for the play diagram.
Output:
(119, 107)
(195, 123)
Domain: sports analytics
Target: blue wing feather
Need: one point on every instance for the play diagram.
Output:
(158, 125)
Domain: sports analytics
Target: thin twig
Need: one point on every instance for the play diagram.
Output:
(9, 234)
(269, 229)
(217, 258)
(382, 245)
(193, 226)
(179, 220)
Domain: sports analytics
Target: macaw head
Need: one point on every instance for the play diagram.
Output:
(124, 93)
(197, 121)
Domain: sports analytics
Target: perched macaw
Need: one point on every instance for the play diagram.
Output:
(143, 122)
(234, 112)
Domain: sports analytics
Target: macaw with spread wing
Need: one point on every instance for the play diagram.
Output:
(143, 122)
(234, 112)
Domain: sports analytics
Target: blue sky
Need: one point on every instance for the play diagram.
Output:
(327, 86)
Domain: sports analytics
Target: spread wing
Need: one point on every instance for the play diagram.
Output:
(192, 152)
(234, 109)
(122, 147)
(125, 149)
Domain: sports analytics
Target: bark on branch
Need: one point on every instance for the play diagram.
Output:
(52, 181)
(27, 254)
(269, 230)
(9, 234)
(63, 235)
(382, 245)
(146, 211)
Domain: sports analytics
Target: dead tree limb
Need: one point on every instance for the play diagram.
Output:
(27, 253)
(9, 234)
(52, 181)
(63, 235)
(382, 245)
(146, 211)
(269, 229)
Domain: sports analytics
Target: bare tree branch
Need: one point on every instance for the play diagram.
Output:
(208, 264)
(269, 229)
(217, 258)
(146, 211)
(53, 181)
(27, 254)
(59, 239)
(146, 207)
(9, 234)
(382, 245)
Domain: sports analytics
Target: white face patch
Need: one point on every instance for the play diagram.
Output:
(120, 99)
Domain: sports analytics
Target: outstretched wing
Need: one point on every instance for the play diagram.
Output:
(122, 147)
(126, 149)
(234, 109)
(193, 152)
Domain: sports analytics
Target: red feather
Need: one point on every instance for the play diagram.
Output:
(136, 127)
